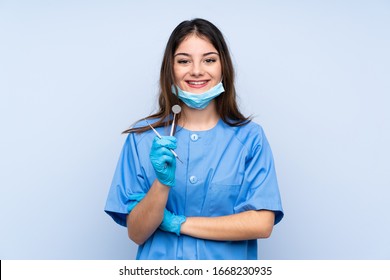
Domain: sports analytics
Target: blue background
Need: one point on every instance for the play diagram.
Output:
(74, 74)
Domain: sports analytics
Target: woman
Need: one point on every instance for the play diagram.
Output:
(224, 195)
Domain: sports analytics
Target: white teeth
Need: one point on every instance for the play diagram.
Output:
(197, 83)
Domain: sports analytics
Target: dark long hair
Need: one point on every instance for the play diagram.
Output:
(226, 103)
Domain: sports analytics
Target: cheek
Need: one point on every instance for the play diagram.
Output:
(218, 75)
(177, 73)
(218, 71)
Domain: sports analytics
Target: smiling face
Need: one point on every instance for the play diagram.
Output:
(197, 65)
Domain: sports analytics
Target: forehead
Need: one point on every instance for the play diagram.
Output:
(194, 44)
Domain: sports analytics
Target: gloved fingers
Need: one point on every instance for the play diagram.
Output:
(169, 158)
(163, 155)
(165, 141)
(165, 171)
(163, 159)
(171, 222)
(165, 152)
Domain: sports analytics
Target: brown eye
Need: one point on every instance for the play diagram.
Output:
(183, 61)
(210, 60)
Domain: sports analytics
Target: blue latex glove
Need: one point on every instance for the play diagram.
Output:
(163, 160)
(135, 199)
(172, 222)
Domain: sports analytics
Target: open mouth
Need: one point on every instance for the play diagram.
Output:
(197, 84)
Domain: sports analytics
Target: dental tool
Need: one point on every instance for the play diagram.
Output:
(176, 109)
(159, 136)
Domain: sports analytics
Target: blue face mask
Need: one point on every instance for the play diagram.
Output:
(198, 101)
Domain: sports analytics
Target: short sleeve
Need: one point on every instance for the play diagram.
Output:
(129, 179)
(260, 181)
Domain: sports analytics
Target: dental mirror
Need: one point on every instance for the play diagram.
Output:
(176, 109)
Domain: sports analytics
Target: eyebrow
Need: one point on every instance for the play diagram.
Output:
(205, 54)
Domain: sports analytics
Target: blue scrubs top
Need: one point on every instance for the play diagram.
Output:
(226, 170)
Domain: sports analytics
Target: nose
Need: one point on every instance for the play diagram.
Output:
(197, 70)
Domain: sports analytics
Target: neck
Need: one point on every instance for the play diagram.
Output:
(197, 120)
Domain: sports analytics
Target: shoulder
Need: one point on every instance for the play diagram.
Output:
(250, 130)
(137, 137)
(251, 135)
(144, 122)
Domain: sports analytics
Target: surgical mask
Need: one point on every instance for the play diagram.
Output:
(198, 101)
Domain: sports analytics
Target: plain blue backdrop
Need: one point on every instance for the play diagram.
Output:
(74, 74)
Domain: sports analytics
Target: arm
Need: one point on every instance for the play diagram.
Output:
(146, 217)
(242, 226)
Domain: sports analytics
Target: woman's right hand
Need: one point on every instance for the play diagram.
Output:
(163, 160)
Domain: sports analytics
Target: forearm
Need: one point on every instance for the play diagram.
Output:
(146, 217)
(242, 226)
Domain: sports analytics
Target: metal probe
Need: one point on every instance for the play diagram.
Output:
(159, 136)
